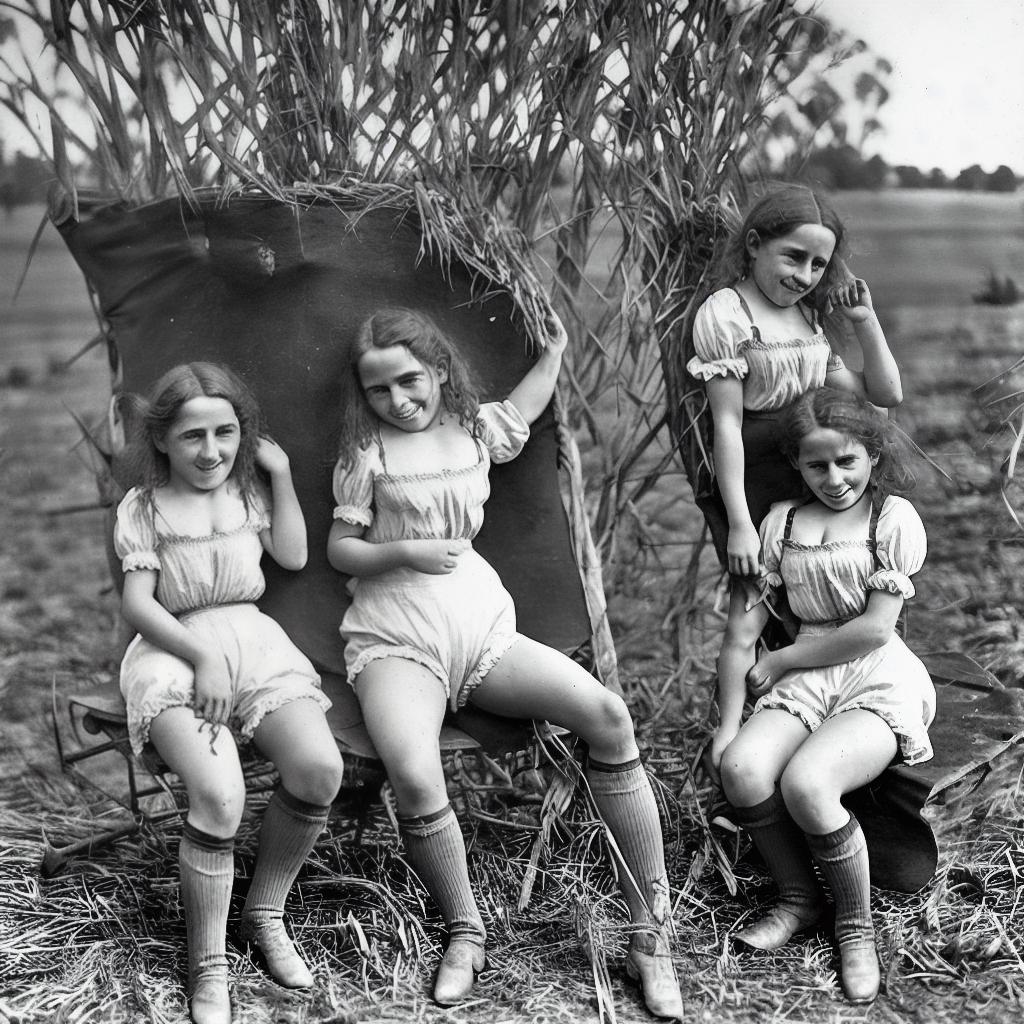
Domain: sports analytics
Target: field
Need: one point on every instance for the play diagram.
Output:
(104, 942)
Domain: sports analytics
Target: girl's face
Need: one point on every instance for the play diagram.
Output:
(400, 389)
(787, 269)
(836, 467)
(202, 444)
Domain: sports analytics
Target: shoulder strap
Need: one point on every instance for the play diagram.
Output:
(380, 449)
(789, 523)
(744, 306)
(877, 501)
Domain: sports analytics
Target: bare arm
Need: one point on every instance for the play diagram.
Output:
(532, 394)
(869, 631)
(285, 541)
(725, 395)
(350, 553)
(880, 381)
(144, 613)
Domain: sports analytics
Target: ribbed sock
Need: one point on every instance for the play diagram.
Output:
(843, 857)
(625, 801)
(207, 867)
(437, 852)
(785, 852)
(290, 829)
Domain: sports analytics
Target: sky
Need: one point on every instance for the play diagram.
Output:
(957, 86)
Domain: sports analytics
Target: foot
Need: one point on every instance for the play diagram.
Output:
(210, 1002)
(463, 960)
(656, 975)
(778, 926)
(282, 960)
(859, 972)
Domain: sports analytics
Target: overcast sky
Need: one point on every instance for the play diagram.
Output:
(957, 83)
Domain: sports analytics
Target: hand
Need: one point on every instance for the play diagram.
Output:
(557, 337)
(436, 557)
(765, 672)
(744, 550)
(271, 457)
(724, 735)
(853, 299)
(213, 691)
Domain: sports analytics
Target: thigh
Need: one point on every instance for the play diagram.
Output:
(206, 760)
(298, 740)
(755, 760)
(403, 705)
(533, 680)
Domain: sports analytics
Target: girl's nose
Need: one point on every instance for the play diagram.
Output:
(209, 446)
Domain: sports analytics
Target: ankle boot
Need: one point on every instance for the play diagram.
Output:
(463, 960)
(843, 857)
(283, 963)
(209, 1000)
(649, 964)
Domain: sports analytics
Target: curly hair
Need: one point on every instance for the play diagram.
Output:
(149, 419)
(783, 207)
(423, 338)
(847, 413)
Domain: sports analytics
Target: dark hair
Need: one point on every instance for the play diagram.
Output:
(149, 419)
(849, 414)
(782, 208)
(418, 333)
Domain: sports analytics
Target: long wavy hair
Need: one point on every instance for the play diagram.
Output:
(149, 419)
(783, 207)
(849, 414)
(423, 338)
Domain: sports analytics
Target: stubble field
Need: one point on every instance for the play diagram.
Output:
(103, 942)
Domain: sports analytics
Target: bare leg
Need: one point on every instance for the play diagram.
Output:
(208, 765)
(751, 768)
(535, 681)
(297, 739)
(845, 753)
(403, 706)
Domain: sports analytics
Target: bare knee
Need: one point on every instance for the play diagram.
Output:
(418, 784)
(744, 778)
(607, 722)
(215, 805)
(811, 797)
(315, 778)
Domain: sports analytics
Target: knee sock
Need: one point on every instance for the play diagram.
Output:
(437, 853)
(843, 857)
(625, 801)
(289, 830)
(785, 852)
(207, 867)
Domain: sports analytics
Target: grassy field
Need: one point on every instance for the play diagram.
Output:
(104, 941)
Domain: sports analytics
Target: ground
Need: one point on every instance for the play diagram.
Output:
(103, 940)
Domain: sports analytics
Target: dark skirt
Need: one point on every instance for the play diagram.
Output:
(768, 477)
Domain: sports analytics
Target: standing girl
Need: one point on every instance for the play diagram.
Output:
(430, 625)
(760, 344)
(847, 698)
(208, 669)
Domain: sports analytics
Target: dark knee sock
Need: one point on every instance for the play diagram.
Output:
(207, 867)
(843, 858)
(437, 853)
(289, 831)
(625, 801)
(785, 852)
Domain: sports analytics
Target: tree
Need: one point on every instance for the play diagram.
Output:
(971, 179)
(1002, 179)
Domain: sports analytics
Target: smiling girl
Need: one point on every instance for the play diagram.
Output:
(760, 344)
(208, 670)
(431, 626)
(848, 698)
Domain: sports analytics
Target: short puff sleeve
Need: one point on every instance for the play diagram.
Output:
(720, 330)
(502, 429)
(773, 532)
(135, 537)
(353, 486)
(900, 546)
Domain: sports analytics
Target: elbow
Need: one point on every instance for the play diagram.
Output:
(887, 396)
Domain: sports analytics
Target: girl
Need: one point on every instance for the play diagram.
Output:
(430, 625)
(759, 345)
(847, 698)
(208, 669)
